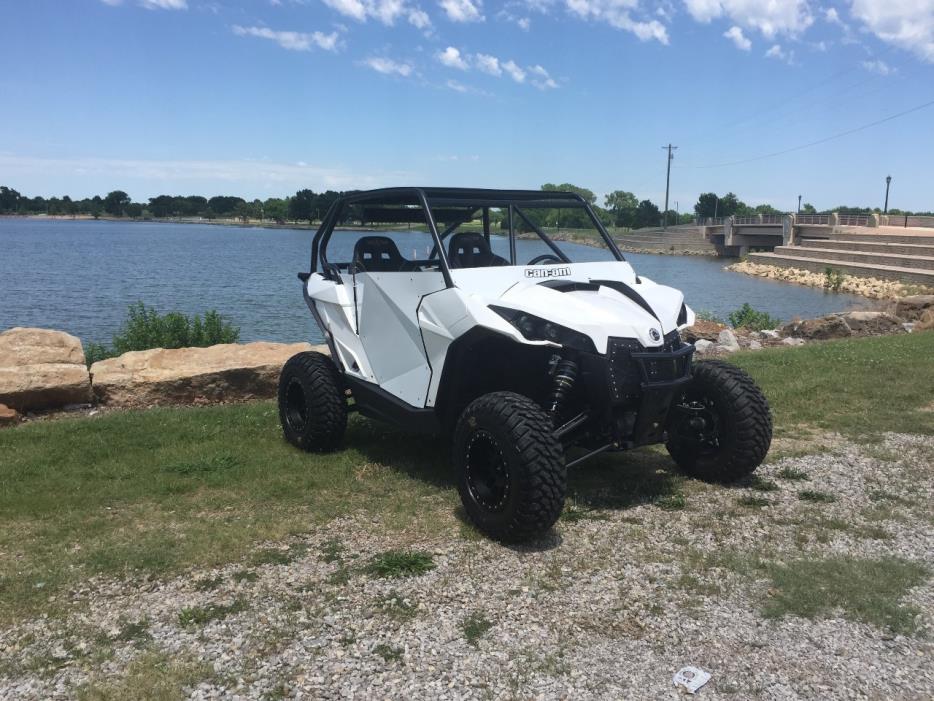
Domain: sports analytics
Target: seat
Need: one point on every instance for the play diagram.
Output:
(469, 249)
(377, 254)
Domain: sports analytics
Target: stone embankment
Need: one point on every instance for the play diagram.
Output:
(42, 370)
(873, 288)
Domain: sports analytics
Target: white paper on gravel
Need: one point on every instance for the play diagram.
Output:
(691, 678)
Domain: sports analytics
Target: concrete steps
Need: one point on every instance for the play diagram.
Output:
(863, 257)
(677, 239)
(921, 239)
(907, 249)
(819, 265)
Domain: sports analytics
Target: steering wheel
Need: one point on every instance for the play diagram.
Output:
(545, 258)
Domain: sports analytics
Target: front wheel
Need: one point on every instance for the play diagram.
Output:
(312, 406)
(511, 475)
(722, 428)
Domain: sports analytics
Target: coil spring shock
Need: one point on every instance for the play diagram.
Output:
(565, 378)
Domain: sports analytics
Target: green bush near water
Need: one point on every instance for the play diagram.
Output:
(748, 318)
(145, 328)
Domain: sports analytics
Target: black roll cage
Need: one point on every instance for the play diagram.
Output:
(430, 199)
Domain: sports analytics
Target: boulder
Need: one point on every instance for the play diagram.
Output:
(770, 333)
(926, 322)
(727, 341)
(791, 341)
(42, 369)
(226, 372)
(702, 345)
(820, 329)
(8, 416)
(755, 345)
(911, 308)
(702, 329)
(872, 323)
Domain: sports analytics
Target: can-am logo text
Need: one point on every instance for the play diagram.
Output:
(547, 272)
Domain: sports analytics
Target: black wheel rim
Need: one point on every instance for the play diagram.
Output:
(487, 472)
(296, 412)
(699, 425)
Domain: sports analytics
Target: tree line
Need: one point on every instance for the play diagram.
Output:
(620, 208)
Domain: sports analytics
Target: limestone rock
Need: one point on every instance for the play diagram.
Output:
(226, 372)
(926, 322)
(872, 323)
(702, 345)
(727, 341)
(770, 333)
(755, 345)
(702, 329)
(819, 329)
(913, 307)
(8, 416)
(792, 341)
(42, 369)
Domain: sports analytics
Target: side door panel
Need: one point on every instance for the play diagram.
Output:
(390, 333)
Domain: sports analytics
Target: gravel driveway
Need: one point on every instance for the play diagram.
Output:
(610, 607)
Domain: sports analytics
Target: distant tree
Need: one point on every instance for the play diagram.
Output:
(224, 206)
(588, 195)
(134, 209)
(68, 206)
(115, 203)
(322, 203)
(276, 209)
(766, 209)
(647, 214)
(622, 207)
(244, 211)
(9, 199)
(707, 205)
(808, 208)
(730, 204)
(302, 205)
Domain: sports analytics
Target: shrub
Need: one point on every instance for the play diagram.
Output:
(752, 319)
(833, 279)
(145, 328)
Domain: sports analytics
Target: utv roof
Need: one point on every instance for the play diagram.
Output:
(461, 195)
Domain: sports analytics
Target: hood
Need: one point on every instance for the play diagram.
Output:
(598, 299)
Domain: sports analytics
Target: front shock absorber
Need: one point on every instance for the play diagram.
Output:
(565, 375)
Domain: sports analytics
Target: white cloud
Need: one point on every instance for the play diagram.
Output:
(831, 16)
(387, 66)
(880, 67)
(488, 64)
(463, 10)
(524, 23)
(541, 79)
(294, 41)
(164, 4)
(383, 11)
(617, 13)
(771, 17)
(908, 24)
(452, 58)
(157, 176)
(778, 53)
(457, 87)
(516, 73)
(735, 34)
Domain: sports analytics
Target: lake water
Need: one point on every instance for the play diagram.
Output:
(80, 276)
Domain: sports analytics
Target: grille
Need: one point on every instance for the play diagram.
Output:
(633, 367)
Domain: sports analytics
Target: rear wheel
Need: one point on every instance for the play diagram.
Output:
(511, 474)
(722, 428)
(312, 406)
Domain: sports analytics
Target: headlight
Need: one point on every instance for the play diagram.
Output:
(537, 329)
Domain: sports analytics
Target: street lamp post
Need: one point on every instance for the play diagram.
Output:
(888, 181)
(799, 204)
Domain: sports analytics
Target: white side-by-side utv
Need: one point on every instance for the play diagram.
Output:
(453, 311)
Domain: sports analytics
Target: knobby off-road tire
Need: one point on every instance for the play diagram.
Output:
(312, 406)
(511, 471)
(738, 424)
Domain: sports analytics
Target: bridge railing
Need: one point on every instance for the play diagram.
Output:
(906, 220)
(853, 219)
(813, 219)
(759, 219)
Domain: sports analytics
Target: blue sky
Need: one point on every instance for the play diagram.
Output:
(259, 98)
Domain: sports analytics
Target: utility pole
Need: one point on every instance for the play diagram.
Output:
(799, 204)
(668, 181)
(888, 181)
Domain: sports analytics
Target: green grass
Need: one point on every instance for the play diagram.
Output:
(864, 590)
(816, 497)
(857, 387)
(162, 491)
(152, 676)
(474, 627)
(201, 615)
(400, 563)
(791, 473)
(753, 502)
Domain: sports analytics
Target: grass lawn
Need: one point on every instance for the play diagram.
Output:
(151, 493)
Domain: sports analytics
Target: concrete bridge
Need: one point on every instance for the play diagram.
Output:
(893, 247)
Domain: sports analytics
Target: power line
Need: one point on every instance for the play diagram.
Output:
(819, 141)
